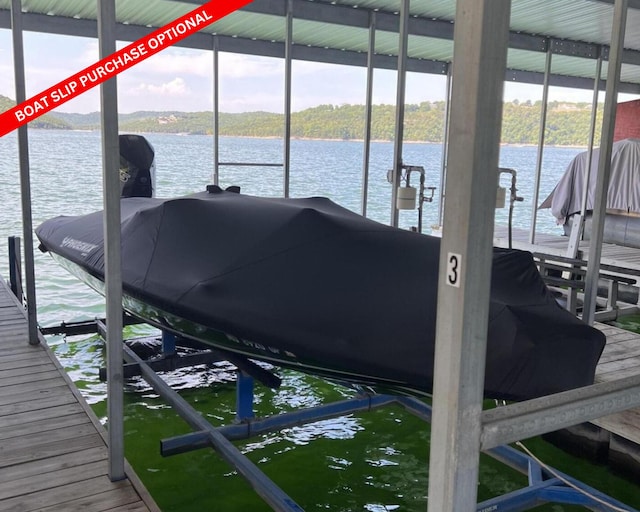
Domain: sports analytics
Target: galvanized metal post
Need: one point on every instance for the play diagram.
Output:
(216, 112)
(25, 177)
(541, 135)
(445, 146)
(577, 225)
(604, 162)
(400, 95)
(287, 96)
(480, 50)
(113, 273)
(367, 113)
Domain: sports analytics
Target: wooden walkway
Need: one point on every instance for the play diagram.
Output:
(620, 358)
(53, 455)
(612, 254)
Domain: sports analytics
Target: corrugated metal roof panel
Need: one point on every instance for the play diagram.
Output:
(568, 22)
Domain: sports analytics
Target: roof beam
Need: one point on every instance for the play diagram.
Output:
(324, 12)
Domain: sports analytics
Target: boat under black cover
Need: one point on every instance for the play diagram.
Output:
(307, 284)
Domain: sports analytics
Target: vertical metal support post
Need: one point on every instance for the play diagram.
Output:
(400, 95)
(367, 113)
(578, 220)
(244, 396)
(287, 96)
(445, 146)
(168, 343)
(604, 163)
(15, 267)
(25, 176)
(541, 135)
(113, 271)
(216, 112)
(479, 61)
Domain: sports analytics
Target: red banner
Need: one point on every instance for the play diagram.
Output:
(117, 62)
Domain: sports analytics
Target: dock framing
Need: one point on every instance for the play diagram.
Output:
(53, 454)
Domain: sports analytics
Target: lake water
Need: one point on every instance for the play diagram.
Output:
(375, 461)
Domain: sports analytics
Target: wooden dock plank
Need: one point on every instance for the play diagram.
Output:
(53, 454)
(120, 500)
(46, 450)
(44, 413)
(33, 371)
(45, 425)
(61, 495)
(621, 350)
(23, 359)
(34, 386)
(41, 482)
(624, 424)
(24, 378)
(43, 394)
(53, 464)
(620, 359)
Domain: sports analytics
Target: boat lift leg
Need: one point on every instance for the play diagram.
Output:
(244, 397)
(168, 344)
(268, 490)
(546, 485)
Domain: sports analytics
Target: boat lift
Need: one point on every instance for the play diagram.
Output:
(545, 484)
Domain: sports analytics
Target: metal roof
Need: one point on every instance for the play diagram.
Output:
(337, 31)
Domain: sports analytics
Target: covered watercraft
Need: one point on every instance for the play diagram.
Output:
(622, 217)
(309, 285)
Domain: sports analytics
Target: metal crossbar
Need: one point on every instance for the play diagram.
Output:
(546, 485)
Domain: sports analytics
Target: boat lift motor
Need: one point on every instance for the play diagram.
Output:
(137, 167)
(406, 195)
(513, 198)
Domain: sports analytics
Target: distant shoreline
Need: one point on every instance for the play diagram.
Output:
(512, 144)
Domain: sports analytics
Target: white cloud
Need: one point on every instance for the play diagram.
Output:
(233, 65)
(89, 54)
(176, 87)
(174, 61)
(252, 102)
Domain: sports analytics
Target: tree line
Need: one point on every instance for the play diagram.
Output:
(567, 123)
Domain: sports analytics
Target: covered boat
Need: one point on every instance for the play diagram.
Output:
(622, 219)
(309, 285)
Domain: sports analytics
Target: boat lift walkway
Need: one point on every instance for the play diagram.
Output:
(53, 455)
(612, 254)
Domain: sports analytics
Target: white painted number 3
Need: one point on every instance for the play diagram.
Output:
(453, 269)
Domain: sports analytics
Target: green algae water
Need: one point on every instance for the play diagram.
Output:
(372, 461)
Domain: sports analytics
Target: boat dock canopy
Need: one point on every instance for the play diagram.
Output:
(576, 32)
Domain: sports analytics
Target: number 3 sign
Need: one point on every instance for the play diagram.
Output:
(454, 262)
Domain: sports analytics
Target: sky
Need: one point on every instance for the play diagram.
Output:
(181, 79)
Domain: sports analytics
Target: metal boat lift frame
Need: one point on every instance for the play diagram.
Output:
(460, 428)
(545, 484)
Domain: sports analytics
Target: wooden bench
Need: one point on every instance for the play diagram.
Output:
(569, 273)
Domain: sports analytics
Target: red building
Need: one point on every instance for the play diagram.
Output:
(627, 121)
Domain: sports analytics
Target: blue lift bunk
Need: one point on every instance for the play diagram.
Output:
(546, 485)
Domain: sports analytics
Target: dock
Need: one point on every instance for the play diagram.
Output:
(53, 454)
(557, 245)
(620, 358)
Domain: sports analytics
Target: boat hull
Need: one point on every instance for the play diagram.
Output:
(306, 284)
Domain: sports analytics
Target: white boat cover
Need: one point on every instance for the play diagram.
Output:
(624, 182)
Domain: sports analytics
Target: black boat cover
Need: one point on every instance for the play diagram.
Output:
(334, 292)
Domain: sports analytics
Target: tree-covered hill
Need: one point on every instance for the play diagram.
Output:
(567, 123)
(48, 121)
